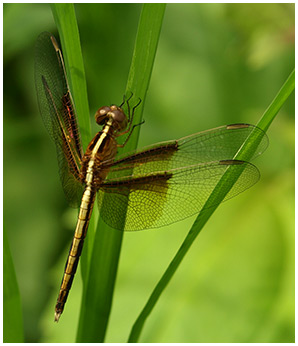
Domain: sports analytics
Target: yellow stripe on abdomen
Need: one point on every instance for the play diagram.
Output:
(76, 248)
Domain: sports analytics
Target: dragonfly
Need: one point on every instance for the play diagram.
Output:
(147, 188)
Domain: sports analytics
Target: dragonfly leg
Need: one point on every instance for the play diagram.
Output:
(126, 99)
(127, 138)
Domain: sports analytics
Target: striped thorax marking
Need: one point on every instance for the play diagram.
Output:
(89, 174)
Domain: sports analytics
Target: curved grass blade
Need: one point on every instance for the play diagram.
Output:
(218, 194)
(98, 292)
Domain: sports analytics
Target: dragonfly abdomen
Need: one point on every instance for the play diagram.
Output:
(76, 248)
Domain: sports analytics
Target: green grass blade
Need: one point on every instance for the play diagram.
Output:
(278, 102)
(98, 293)
(218, 194)
(65, 19)
(12, 311)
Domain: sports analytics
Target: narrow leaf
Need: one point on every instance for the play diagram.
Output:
(65, 19)
(218, 194)
(98, 293)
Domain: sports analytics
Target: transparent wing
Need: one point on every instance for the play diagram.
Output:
(163, 197)
(58, 113)
(170, 181)
(221, 143)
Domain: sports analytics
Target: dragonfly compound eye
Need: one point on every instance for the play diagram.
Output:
(102, 115)
(120, 119)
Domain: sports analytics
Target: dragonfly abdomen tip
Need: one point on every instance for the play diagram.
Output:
(57, 316)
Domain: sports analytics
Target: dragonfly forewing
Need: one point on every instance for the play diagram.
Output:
(212, 145)
(58, 113)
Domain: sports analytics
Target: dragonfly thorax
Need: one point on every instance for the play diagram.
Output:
(114, 115)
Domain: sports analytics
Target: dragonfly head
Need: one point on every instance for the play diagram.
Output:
(114, 115)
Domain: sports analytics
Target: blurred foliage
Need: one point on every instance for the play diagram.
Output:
(12, 310)
(216, 64)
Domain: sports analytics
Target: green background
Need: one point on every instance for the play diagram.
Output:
(216, 64)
